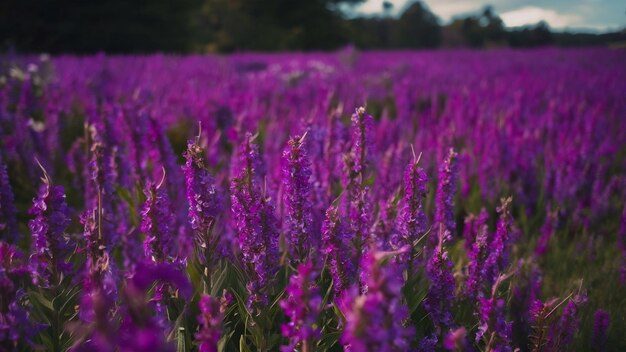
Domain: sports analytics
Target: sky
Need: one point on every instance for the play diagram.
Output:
(594, 15)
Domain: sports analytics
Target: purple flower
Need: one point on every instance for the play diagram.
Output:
(337, 247)
(15, 327)
(361, 141)
(375, 320)
(444, 198)
(51, 218)
(493, 325)
(210, 319)
(302, 306)
(413, 219)
(102, 183)
(205, 200)
(296, 197)
(546, 233)
(157, 224)
(456, 340)
(440, 298)
(562, 335)
(498, 258)
(255, 223)
(601, 321)
(478, 253)
(8, 222)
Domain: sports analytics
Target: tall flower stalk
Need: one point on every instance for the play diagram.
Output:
(296, 197)
(8, 222)
(302, 306)
(51, 247)
(205, 202)
(444, 198)
(255, 224)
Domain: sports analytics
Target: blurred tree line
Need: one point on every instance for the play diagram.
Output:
(129, 26)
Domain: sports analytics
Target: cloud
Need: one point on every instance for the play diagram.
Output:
(532, 14)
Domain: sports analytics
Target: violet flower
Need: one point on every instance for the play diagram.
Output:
(601, 321)
(412, 218)
(157, 224)
(440, 297)
(255, 223)
(51, 219)
(210, 319)
(205, 201)
(302, 306)
(8, 222)
(16, 329)
(562, 335)
(336, 245)
(546, 233)
(375, 321)
(498, 258)
(444, 198)
(477, 255)
(296, 197)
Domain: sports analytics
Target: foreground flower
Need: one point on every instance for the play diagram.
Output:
(375, 320)
(157, 223)
(444, 198)
(16, 329)
(302, 306)
(601, 320)
(51, 219)
(337, 247)
(413, 218)
(440, 298)
(210, 319)
(205, 202)
(296, 196)
(255, 223)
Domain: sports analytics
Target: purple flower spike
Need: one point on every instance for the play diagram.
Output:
(256, 225)
(302, 306)
(498, 258)
(8, 222)
(336, 245)
(210, 319)
(375, 321)
(205, 200)
(600, 328)
(563, 333)
(51, 219)
(413, 219)
(157, 224)
(440, 298)
(444, 198)
(361, 134)
(299, 217)
(478, 253)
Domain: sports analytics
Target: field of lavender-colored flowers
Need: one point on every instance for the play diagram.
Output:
(401, 201)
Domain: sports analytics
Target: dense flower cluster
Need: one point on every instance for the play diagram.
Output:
(375, 320)
(293, 220)
(302, 306)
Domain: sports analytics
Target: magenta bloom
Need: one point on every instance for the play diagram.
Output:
(255, 223)
(157, 223)
(51, 219)
(210, 319)
(337, 247)
(296, 197)
(440, 298)
(601, 321)
(444, 198)
(205, 200)
(478, 253)
(302, 307)
(412, 218)
(375, 320)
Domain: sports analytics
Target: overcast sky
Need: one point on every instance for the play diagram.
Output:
(597, 15)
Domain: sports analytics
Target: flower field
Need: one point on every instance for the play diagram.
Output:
(348, 201)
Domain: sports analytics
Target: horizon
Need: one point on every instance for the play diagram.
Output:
(560, 15)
